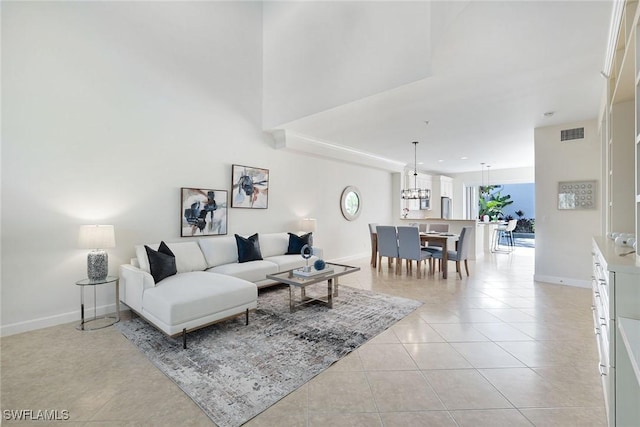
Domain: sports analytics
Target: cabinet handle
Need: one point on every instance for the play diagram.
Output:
(596, 331)
(602, 373)
(603, 282)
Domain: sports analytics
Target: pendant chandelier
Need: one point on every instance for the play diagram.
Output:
(415, 192)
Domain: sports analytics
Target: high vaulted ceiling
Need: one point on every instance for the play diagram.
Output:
(490, 72)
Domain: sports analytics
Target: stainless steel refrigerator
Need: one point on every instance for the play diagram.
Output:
(445, 207)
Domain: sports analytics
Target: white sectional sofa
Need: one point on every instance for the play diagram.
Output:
(210, 284)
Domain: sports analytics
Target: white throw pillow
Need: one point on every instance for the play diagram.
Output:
(219, 250)
(189, 257)
(272, 244)
(143, 259)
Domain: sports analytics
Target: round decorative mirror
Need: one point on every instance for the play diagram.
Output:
(351, 203)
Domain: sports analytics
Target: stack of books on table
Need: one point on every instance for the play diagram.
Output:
(299, 272)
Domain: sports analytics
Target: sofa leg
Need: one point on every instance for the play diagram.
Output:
(246, 317)
(184, 338)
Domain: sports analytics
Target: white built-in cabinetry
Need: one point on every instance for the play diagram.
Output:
(446, 186)
(620, 168)
(620, 126)
(616, 276)
(616, 314)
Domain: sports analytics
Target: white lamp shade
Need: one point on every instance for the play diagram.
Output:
(97, 237)
(308, 225)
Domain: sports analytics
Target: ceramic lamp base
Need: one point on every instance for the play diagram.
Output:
(97, 265)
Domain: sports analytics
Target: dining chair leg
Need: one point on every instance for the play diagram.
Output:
(466, 267)
(458, 270)
(374, 251)
(379, 263)
(398, 266)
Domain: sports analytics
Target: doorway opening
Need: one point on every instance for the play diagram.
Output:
(505, 202)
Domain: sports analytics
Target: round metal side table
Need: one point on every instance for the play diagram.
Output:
(99, 322)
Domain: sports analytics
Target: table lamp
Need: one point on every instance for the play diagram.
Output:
(98, 238)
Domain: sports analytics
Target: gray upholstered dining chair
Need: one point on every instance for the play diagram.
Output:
(374, 244)
(388, 246)
(461, 253)
(409, 248)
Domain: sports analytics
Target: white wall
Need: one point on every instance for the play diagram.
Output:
(563, 237)
(319, 55)
(109, 108)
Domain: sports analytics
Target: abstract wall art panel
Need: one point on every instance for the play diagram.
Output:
(249, 187)
(203, 212)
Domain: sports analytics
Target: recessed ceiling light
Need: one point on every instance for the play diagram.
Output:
(549, 113)
(463, 158)
(440, 161)
(421, 163)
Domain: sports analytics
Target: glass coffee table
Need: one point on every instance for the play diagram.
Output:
(295, 279)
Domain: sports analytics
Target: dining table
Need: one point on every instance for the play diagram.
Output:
(444, 239)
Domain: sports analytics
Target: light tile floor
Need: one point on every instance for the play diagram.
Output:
(494, 349)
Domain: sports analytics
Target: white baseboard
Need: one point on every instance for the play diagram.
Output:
(58, 319)
(567, 281)
(350, 258)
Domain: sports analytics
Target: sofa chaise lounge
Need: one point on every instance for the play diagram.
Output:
(211, 283)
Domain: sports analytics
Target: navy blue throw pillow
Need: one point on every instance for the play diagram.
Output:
(248, 249)
(162, 262)
(297, 242)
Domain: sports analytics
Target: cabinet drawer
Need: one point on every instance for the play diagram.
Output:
(602, 343)
(608, 377)
(603, 289)
(600, 318)
(601, 330)
(601, 283)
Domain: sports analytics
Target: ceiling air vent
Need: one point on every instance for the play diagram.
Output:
(569, 134)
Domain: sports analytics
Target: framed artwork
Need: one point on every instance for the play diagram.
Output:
(577, 195)
(203, 212)
(249, 187)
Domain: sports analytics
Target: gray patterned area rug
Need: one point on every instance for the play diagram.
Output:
(234, 372)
